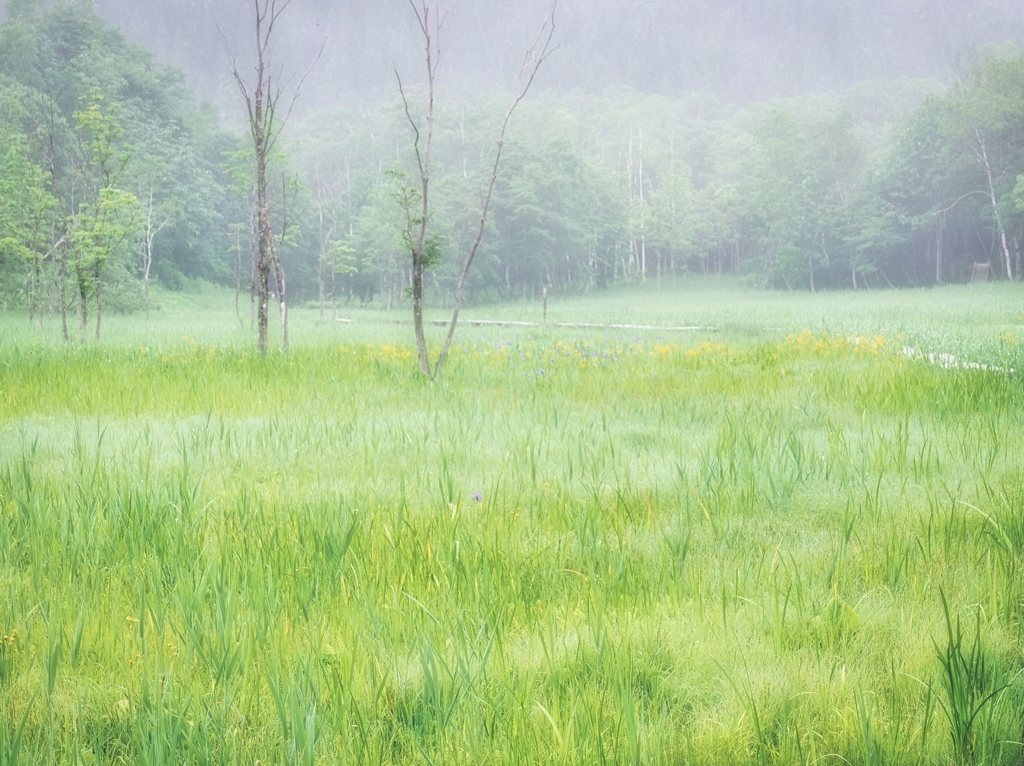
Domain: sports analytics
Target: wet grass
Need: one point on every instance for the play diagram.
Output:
(782, 542)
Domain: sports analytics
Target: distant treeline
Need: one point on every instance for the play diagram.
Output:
(886, 184)
(111, 176)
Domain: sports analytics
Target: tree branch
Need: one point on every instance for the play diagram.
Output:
(537, 55)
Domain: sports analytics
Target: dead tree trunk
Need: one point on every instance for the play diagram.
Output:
(282, 300)
(417, 226)
(266, 120)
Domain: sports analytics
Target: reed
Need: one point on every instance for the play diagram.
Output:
(756, 545)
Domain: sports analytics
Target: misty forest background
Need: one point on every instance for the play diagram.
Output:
(801, 145)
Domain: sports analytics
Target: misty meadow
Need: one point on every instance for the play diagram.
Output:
(576, 383)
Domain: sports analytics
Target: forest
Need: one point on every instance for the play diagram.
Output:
(115, 177)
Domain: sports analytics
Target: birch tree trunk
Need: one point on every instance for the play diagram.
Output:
(983, 156)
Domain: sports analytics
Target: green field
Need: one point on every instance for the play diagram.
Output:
(790, 537)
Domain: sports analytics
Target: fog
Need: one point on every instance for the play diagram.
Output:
(795, 144)
(739, 50)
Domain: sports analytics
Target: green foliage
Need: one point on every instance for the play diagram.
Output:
(971, 686)
(24, 201)
(104, 222)
(859, 188)
(811, 192)
(95, 113)
(103, 230)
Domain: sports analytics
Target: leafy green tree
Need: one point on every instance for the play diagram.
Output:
(802, 181)
(24, 201)
(105, 218)
(24, 208)
(673, 228)
(985, 120)
(552, 221)
(914, 190)
(62, 56)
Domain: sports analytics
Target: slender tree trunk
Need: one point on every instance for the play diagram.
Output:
(30, 290)
(334, 289)
(320, 284)
(983, 153)
(147, 244)
(252, 290)
(282, 298)
(430, 26)
(265, 231)
(146, 271)
(64, 294)
(634, 250)
(238, 280)
(52, 289)
(147, 253)
(939, 264)
(640, 191)
(266, 241)
(99, 301)
(1006, 253)
(1017, 255)
(62, 242)
(430, 23)
(265, 124)
(423, 353)
(443, 356)
(83, 306)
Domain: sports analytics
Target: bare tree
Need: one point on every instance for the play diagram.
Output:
(416, 202)
(267, 119)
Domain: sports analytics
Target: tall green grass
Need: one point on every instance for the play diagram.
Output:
(759, 545)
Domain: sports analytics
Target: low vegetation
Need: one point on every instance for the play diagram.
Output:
(790, 539)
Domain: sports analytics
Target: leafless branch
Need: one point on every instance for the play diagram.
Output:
(532, 61)
(960, 199)
(412, 123)
(297, 93)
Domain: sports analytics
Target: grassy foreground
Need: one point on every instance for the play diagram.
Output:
(785, 542)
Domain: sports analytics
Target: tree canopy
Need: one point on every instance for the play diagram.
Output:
(112, 175)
